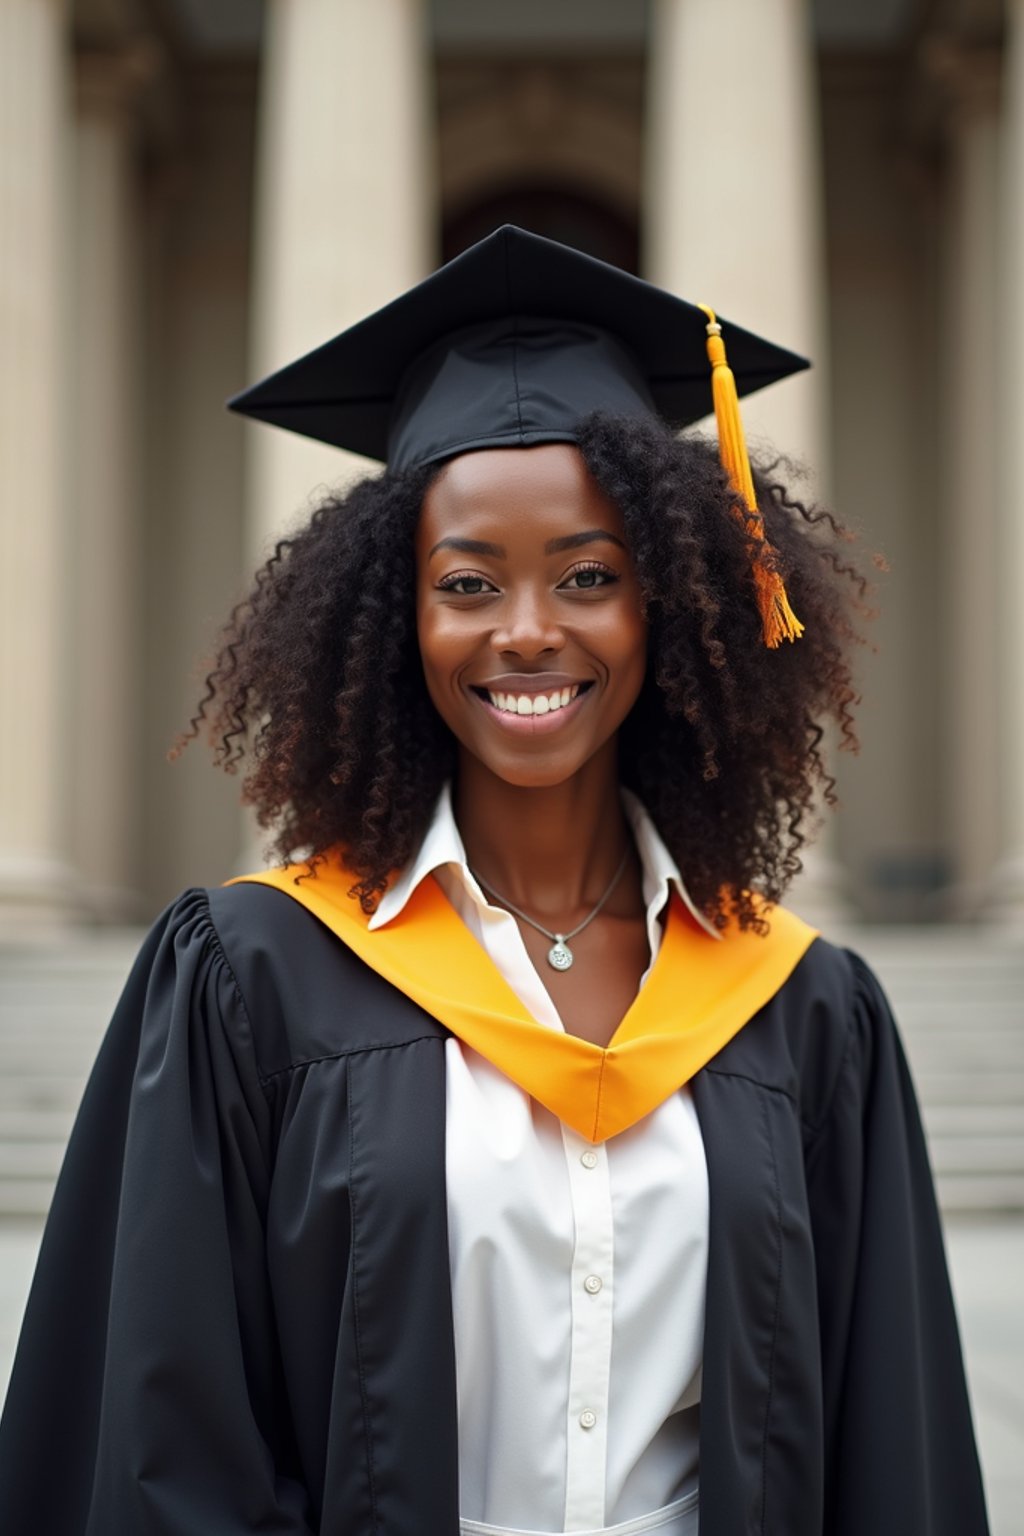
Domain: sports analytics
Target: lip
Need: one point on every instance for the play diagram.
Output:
(535, 725)
(530, 682)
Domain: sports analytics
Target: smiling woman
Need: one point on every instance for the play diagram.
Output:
(511, 1161)
(541, 643)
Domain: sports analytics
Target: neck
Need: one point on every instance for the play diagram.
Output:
(550, 850)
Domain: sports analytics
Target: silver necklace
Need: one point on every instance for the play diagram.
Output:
(560, 956)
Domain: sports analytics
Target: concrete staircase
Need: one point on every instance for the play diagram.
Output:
(958, 993)
(54, 1006)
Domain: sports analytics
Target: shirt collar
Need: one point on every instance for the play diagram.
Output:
(442, 846)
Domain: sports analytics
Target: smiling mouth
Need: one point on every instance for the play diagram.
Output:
(532, 705)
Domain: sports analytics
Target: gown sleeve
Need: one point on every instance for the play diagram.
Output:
(899, 1441)
(146, 1390)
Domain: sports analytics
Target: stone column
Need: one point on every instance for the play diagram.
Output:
(36, 503)
(972, 507)
(733, 218)
(345, 217)
(345, 213)
(104, 706)
(732, 212)
(1007, 888)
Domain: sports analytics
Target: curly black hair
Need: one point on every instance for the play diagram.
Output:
(317, 682)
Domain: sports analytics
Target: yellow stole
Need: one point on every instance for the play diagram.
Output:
(700, 993)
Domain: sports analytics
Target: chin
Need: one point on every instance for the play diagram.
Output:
(531, 775)
(530, 769)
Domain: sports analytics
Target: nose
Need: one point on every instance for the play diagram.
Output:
(527, 626)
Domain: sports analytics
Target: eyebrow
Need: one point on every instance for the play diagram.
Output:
(469, 547)
(552, 547)
(575, 540)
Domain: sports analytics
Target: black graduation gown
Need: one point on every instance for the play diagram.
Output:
(241, 1317)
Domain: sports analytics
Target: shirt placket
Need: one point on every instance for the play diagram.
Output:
(591, 1342)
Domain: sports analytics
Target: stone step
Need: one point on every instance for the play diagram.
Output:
(984, 1154)
(999, 1009)
(931, 972)
(935, 1086)
(1001, 1119)
(25, 1123)
(934, 1038)
(41, 1089)
(25, 1197)
(61, 992)
(971, 1194)
(60, 1055)
(966, 1058)
(31, 1159)
(895, 963)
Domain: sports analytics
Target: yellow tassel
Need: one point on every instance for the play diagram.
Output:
(778, 621)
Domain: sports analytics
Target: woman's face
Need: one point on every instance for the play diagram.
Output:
(528, 611)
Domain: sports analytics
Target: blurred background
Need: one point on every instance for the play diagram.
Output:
(193, 192)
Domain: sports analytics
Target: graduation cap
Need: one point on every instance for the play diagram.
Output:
(513, 343)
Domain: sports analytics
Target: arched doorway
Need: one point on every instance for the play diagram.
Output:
(557, 212)
(554, 144)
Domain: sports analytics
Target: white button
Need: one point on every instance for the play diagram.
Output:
(588, 1419)
(588, 1159)
(592, 1284)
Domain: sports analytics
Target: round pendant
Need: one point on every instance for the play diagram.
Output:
(560, 955)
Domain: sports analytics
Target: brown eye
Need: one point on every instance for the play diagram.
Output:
(585, 578)
(465, 585)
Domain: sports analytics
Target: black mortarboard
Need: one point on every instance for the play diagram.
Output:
(511, 344)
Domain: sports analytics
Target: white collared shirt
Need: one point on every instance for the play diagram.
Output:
(578, 1272)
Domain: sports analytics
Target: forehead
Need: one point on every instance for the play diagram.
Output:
(540, 491)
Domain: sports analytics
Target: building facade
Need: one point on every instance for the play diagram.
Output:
(192, 193)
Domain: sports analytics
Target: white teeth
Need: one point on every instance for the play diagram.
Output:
(533, 703)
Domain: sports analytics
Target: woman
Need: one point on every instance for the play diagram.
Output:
(476, 1171)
